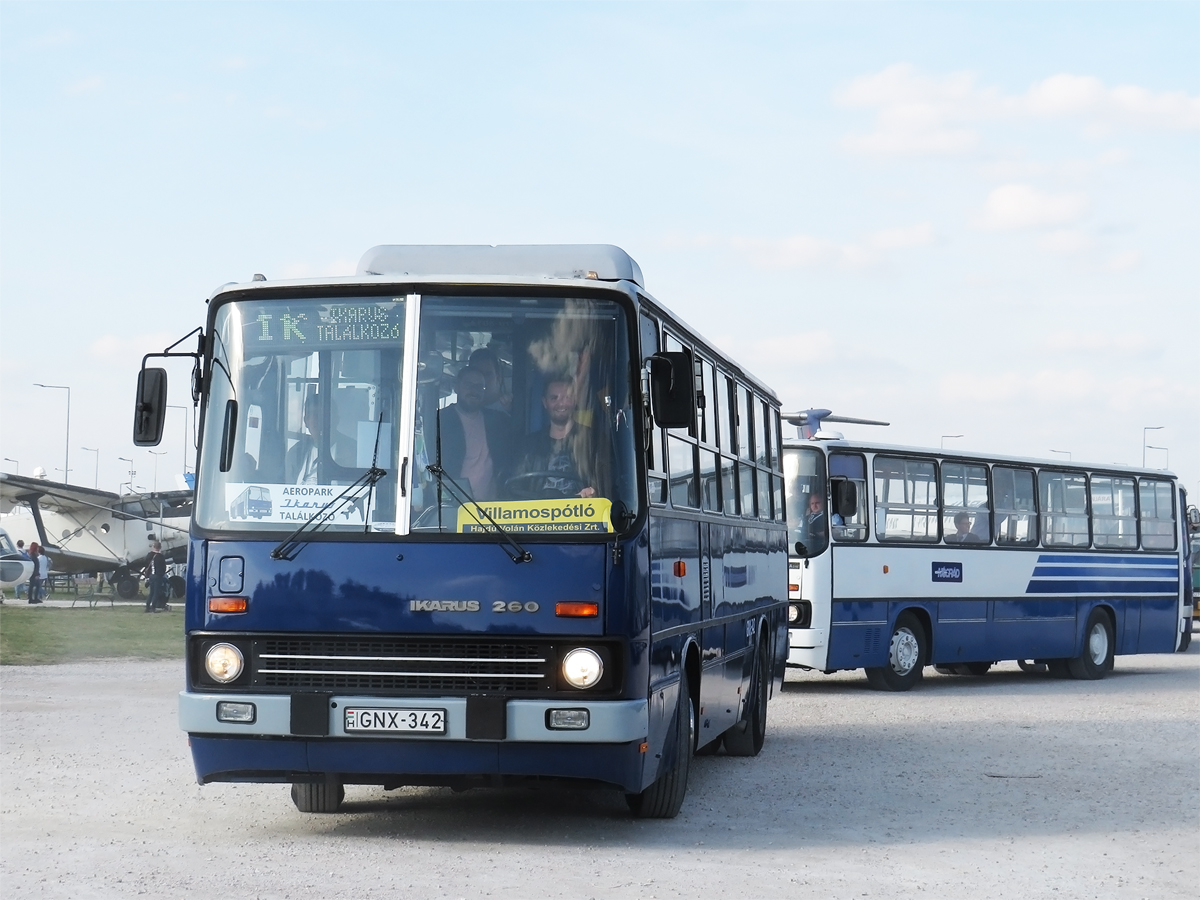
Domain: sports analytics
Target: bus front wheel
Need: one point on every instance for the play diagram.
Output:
(318, 797)
(1097, 655)
(746, 737)
(664, 797)
(906, 657)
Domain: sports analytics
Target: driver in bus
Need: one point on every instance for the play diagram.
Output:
(303, 458)
(553, 454)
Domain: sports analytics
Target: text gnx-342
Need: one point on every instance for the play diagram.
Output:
(425, 721)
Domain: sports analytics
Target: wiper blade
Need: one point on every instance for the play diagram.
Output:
(515, 551)
(291, 545)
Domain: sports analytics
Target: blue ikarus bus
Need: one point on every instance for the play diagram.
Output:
(475, 516)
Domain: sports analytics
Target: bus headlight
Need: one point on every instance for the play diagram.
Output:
(223, 663)
(582, 667)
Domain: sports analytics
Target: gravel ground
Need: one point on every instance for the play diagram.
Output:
(1010, 785)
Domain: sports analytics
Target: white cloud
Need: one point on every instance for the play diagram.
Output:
(90, 85)
(1015, 206)
(1065, 241)
(1096, 342)
(1123, 262)
(929, 115)
(802, 250)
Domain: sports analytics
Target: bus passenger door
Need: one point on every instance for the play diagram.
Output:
(716, 697)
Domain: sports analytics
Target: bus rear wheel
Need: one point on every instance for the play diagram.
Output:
(746, 737)
(1097, 655)
(906, 657)
(318, 796)
(664, 797)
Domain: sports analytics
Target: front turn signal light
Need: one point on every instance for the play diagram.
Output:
(228, 604)
(575, 609)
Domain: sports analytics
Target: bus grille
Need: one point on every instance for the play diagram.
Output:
(411, 665)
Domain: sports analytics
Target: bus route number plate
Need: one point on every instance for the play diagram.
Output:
(396, 721)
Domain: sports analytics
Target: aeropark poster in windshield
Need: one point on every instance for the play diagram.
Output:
(538, 516)
(288, 503)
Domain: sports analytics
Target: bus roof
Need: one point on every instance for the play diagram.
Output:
(601, 262)
(842, 444)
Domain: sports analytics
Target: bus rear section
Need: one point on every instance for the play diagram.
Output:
(905, 558)
(429, 548)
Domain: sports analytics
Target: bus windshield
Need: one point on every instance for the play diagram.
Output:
(509, 411)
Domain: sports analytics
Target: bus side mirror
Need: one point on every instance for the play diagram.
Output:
(1193, 517)
(801, 550)
(845, 498)
(150, 410)
(672, 389)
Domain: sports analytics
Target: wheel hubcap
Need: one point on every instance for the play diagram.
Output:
(904, 651)
(1098, 644)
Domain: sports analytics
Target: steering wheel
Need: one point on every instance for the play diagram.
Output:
(527, 486)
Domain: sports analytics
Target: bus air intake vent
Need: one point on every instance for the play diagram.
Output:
(407, 665)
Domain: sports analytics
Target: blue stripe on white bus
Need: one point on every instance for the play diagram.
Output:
(1046, 586)
(1144, 572)
(1092, 560)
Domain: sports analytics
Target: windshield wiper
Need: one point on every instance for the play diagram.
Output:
(515, 551)
(291, 545)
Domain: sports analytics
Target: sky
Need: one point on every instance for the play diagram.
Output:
(979, 222)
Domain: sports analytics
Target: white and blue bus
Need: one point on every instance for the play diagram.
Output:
(904, 558)
(475, 516)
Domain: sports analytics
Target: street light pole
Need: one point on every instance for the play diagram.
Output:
(1144, 430)
(185, 433)
(156, 454)
(67, 448)
(1066, 453)
(95, 450)
(944, 436)
(131, 473)
(17, 461)
(1166, 462)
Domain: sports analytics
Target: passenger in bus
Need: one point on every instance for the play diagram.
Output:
(303, 459)
(475, 440)
(549, 464)
(962, 530)
(486, 361)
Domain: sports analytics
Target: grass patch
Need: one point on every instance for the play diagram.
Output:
(42, 635)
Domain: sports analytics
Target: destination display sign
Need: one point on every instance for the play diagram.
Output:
(576, 515)
(291, 326)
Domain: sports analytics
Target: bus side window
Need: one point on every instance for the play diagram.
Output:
(852, 468)
(1015, 505)
(906, 499)
(966, 506)
(1157, 514)
(1114, 516)
(656, 480)
(1064, 509)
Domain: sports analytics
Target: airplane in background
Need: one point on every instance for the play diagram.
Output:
(15, 569)
(91, 531)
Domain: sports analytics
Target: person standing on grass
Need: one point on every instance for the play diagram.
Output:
(156, 574)
(35, 577)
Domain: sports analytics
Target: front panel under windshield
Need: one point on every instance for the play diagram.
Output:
(515, 412)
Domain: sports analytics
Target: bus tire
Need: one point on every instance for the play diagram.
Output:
(746, 737)
(976, 668)
(1186, 640)
(1057, 668)
(1097, 655)
(906, 657)
(318, 796)
(664, 797)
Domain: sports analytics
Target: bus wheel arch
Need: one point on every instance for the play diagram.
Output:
(1099, 645)
(908, 653)
(746, 736)
(664, 797)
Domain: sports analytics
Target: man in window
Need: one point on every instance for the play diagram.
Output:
(550, 465)
(304, 457)
(475, 440)
(962, 530)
